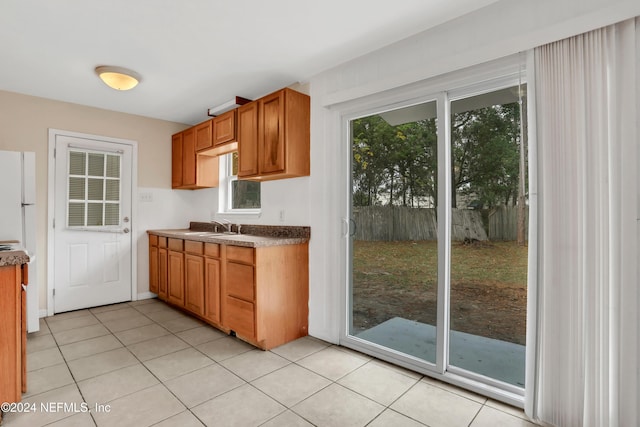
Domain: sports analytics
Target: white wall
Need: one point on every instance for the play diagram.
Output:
(24, 125)
(501, 29)
(167, 209)
(174, 209)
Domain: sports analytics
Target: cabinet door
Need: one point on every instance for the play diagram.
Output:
(240, 281)
(176, 160)
(176, 278)
(10, 333)
(163, 273)
(248, 139)
(153, 268)
(204, 133)
(224, 128)
(194, 283)
(212, 290)
(271, 146)
(240, 317)
(189, 157)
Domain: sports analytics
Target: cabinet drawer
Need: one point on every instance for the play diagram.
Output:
(240, 317)
(162, 242)
(153, 240)
(176, 245)
(240, 281)
(212, 250)
(239, 253)
(193, 247)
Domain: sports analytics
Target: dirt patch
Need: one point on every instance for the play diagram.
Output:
(399, 279)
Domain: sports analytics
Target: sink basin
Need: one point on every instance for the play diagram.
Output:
(201, 233)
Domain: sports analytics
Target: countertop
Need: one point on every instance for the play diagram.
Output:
(247, 240)
(15, 256)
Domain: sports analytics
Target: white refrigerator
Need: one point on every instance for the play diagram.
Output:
(18, 217)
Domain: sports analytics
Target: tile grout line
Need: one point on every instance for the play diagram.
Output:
(75, 382)
(370, 360)
(187, 408)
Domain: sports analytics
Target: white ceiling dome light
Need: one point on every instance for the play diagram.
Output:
(118, 78)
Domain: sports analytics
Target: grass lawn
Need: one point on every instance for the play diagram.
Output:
(488, 286)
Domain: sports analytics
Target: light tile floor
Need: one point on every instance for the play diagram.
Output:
(144, 363)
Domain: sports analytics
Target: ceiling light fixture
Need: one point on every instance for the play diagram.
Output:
(118, 78)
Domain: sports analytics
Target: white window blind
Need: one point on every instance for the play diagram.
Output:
(93, 189)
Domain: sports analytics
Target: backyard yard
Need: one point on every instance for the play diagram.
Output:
(488, 286)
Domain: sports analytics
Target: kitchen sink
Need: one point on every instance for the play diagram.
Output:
(211, 233)
(202, 233)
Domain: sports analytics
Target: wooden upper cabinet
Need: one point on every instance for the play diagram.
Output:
(248, 139)
(204, 135)
(189, 157)
(271, 144)
(272, 136)
(274, 139)
(190, 169)
(224, 128)
(176, 160)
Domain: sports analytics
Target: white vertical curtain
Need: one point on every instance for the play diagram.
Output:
(587, 346)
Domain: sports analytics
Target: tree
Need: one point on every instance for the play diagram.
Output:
(397, 165)
(485, 154)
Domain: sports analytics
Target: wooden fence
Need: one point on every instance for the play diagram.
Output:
(390, 223)
(398, 223)
(503, 223)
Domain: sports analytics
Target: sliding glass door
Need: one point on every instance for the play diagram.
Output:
(438, 227)
(488, 265)
(395, 242)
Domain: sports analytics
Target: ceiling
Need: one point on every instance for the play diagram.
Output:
(195, 54)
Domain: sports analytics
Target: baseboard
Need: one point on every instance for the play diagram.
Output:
(43, 313)
(146, 295)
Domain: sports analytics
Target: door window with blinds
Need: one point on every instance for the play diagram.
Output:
(93, 189)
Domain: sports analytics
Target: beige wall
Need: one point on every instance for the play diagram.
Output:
(24, 125)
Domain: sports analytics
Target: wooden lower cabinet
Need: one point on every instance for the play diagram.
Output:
(240, 317)
(266, 293)
(158, 266)
(163, 273)
(12, 333)
(153, 264)
(260, 295)
(175, 292)
(194, 283)
(212, 290)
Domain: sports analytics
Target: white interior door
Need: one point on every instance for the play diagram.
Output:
(92, 238)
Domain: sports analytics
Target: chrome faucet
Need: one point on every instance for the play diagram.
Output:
(226, 225)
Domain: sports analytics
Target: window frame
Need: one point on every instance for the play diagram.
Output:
(444, 88)
(225, 200)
